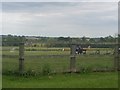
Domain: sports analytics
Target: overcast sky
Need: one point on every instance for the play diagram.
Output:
(74, 19)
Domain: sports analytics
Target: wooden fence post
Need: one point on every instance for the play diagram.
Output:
(118, 53)
(73, 58)
(21, 58)
(116, 56)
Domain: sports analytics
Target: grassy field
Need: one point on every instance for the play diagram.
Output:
(58, 61)
(91, 80)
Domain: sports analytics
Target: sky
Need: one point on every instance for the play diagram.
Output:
(56, 19)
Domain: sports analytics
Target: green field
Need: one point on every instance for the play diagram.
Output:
(91, 80)
(58, 61)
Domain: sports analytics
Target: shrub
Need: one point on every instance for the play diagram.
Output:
(85, 69)
(46, 70)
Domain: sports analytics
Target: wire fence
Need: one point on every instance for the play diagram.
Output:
(58, 60)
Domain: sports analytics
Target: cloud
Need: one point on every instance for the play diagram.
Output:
(60, 0)
(60, 18)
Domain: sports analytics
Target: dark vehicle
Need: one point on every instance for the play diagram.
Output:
(80, 50)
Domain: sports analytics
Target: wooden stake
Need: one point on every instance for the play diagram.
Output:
(21, 58)
(116, 56)
(73, 58)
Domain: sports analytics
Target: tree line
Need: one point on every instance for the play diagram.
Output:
(37, 41)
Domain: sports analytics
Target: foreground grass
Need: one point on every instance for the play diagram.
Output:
(91, 80)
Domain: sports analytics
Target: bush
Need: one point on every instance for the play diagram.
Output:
(85, 69)
(46, 70)
(10, 72)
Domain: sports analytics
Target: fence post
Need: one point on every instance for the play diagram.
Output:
(73, 58)
(21, 57)
(116, 56)
(119, 54)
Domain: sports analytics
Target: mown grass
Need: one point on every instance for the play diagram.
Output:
(91, 80)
